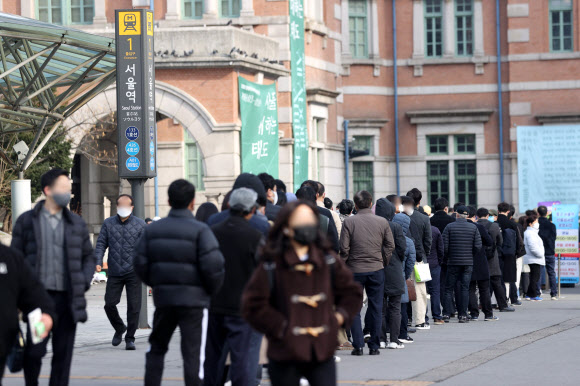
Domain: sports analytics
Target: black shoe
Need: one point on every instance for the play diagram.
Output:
(357, 351)
(130, 346)
(374, 352)
(411, 330)
(507, 309)
(473, 318)
(118, 337)
(453, 315)
(446, 318)
(495, 306)
(463, 319)
(517, 303)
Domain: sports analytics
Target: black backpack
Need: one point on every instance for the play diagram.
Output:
(509, 242)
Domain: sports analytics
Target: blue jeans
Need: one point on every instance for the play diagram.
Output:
(433, 289)
(254, 367)
(551, 273)
(458, 274)
(374, 284)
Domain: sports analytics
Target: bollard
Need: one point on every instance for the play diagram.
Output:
(559, 258)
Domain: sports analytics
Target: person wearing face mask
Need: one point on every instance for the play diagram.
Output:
(179, 257)
(269, 183)
(534, 256)
(396, 201)
(56, 244)
(299, 296)
(120, 234)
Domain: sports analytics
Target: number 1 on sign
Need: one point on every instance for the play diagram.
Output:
(130, 44)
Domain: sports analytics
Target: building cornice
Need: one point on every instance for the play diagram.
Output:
(558, 118)
(449, 116)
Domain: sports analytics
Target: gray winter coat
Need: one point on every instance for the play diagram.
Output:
(394, 277)
(410, 254)
(462, 241)
(495, 233)
(121, 239)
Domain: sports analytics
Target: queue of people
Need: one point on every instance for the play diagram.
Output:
(274, 279)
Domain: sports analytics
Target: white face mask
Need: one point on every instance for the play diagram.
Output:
(536, 226)
(124, 212)
(409, 211)
(275, 197)
(401, 208)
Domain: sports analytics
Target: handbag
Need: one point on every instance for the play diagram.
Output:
(422, 273)
(15, 359)
(411, 290)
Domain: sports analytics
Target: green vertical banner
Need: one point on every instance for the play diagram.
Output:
(299, 128)
(259, 114)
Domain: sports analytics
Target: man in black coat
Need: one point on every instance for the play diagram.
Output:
(394, 278)
(511, 236)
(120, 234)
(441, 217)
(21, 290)
(421, 221)
(548, 235)
(462, 241)
(480, 275)
(239, 244)
(56, 244)
(179, 258)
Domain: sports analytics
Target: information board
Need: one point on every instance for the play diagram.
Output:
(298, 72)
(548, 165)
(570, 269)
(565, 217)
(259, 114)
(135, 94)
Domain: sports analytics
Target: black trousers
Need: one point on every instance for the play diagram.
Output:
(392, 318)
(484, 298)
(403, 333)
(289, 373)
(63, 339)
(165, 321)
(497, 288)
(2, 366)
(534, 278)
(113, 293)
(235, 333)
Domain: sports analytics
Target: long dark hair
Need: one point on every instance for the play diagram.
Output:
(278, 243)
(530, 220)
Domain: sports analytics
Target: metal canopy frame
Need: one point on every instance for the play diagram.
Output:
(47, 73)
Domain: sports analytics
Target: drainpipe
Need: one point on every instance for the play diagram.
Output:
(396, 96)
(499, 99)
(156, 180)
(346, 159)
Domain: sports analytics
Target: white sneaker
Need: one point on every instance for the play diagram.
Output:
(554, 298)
(383, 345)
(336, 359)
(394, 345)
(304, 382)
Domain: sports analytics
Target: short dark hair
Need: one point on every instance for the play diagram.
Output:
(267, 181)
(482, 212)
(471, 211)
(406, 200)
(416, 195)
(48, 178)
(280, 186)
(125, 195)
(306, 193)
(457, 205)
(530, 212)
(363, 199)
(321, 189)
(148, 220)
(392, 198)
(542, 210)
(503, 207)
(512, 210)
(327, 203)
(312, 184)
(440, 204)
(345, 207)
(205, 211)
(181, 193)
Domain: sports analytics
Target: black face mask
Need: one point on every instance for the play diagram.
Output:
(306, 234)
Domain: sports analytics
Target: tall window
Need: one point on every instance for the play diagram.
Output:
(561, 25)
(433, 29)
(362, 176)
(230, 8)
(66, 11)
(358, 24)
(438, 180)
(465, 182)
(193, 162)
(192, 9)
(464, 27)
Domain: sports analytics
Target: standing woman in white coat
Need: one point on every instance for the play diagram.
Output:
(534, 256)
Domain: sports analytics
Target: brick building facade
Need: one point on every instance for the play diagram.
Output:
(447, 88)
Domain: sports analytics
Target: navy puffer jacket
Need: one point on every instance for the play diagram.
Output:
(462, 241)
(121, 238)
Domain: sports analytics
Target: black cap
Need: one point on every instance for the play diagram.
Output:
(250, 181)
(462, 210)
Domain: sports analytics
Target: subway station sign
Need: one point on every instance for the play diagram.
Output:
(135, 94)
